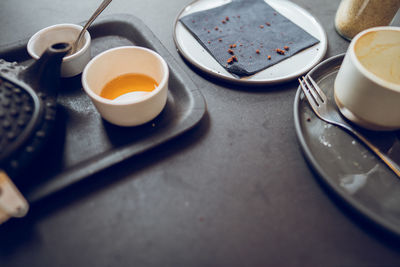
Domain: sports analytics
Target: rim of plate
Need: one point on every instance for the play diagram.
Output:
(323, 46)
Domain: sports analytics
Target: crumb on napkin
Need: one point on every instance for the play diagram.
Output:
(241, 23)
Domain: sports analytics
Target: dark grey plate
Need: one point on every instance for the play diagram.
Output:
(83, 143)
(344, 164)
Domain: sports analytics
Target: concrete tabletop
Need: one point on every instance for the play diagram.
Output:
(234, 191)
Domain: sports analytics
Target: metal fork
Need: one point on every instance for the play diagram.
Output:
(327, 111)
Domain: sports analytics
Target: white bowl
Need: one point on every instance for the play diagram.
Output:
(124, 60)
(367, 86)
(72, 65)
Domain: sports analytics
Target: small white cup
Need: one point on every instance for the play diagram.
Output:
(125, 60)
(367, 86)
(72, 65)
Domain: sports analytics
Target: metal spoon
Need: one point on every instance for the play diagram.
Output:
(100, 9)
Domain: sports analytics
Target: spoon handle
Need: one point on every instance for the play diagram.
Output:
(100, 9)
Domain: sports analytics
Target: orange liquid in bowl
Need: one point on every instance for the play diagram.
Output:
(128, 83)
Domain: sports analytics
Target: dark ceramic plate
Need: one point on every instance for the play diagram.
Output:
(344, 164)
(83, 143)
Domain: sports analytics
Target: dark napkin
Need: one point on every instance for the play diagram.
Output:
(252, 30)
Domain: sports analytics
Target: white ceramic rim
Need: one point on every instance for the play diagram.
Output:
(38, 34)
(143, 98)
(368, 74)
(322, 48)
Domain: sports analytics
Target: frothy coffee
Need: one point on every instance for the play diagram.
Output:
(379, 52)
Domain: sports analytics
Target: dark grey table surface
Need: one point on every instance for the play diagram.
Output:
(234, 191)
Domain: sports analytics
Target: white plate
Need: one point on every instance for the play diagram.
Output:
(283, 71)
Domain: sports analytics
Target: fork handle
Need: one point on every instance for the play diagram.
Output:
(389, 162)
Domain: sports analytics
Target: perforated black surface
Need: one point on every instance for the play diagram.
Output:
(16, 111)
(27, 109)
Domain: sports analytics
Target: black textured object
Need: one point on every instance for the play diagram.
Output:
(252, 30)
(27, 107)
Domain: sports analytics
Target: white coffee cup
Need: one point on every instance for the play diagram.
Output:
(112, 63)
(367, 86)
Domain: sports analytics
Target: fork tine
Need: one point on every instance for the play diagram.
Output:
(319, 91)
(309, 96)
(313, 91)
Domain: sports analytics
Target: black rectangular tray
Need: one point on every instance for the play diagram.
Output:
(83, 143)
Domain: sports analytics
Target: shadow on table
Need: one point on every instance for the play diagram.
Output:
(18, 233)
